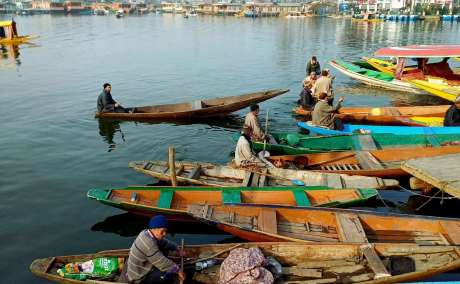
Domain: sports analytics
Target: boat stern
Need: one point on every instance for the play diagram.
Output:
(367, 193)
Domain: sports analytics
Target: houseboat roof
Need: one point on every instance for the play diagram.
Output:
(6, 23)
(420, 51)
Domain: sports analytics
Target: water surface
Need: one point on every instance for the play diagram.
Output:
(53, 149)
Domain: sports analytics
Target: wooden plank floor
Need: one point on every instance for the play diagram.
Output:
(442, 172)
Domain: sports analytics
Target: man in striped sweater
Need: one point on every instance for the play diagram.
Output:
(147, 262)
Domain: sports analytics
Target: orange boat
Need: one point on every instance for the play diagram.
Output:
(173, 201)
(384, 115)
(377, 163)
(275, 223)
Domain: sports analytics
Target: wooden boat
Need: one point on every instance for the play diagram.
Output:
(436, 78)
(295, 143)
(196, 109)
(440, 172)
(384, 66)
(428, 120)
(378, 163)
(9, 33)
(384, 115)
(272, 223)
(207, 174)
(374, 78)
(440, 88)
(319, 263)
(173, 201)
(399, 130)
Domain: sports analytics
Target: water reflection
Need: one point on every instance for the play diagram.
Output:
(9, 55)
(129, 225)
(108, 127)
(107, 130)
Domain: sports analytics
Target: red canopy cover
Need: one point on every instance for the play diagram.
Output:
(420, 51)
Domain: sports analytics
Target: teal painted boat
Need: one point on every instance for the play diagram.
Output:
(399, 130)
(295, 143)
(174, 201)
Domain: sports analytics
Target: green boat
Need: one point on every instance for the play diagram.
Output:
(295, 143)
(363, 73)
(174, 201)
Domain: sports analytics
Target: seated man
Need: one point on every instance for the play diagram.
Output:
(323, 113)
(147, 262)
(452, 116)
(244, 157)
(105, 102)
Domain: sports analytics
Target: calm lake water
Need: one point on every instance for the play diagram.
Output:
(53, 149)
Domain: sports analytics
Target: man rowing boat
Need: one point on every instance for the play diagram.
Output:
(105, 102)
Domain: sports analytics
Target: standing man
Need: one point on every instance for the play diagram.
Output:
(313, 66)
(105, 102)
(147, 263)
(323, 85)
(452, 116)
(251, 122)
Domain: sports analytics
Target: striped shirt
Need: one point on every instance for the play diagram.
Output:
(146, 253)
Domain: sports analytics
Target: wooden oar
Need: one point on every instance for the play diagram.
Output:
(266, 130)
(182, 259)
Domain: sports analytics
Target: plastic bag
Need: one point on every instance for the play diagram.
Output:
(95, 268)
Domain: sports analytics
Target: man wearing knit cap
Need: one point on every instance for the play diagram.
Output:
(147, 262)
(452, 116)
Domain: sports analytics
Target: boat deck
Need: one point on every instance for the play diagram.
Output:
(441, 171)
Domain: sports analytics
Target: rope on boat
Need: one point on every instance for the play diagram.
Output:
(430, 198)
(383, 201)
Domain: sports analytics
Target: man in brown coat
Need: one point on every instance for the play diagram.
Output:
(323, 85)
(324, 114)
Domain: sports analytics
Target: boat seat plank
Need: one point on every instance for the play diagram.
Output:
(267, 221)
(363, 142)
(165, 199)
(444, 175)
(231, 196)
(247, 178)
(334, 181)
(374, 261)
(393, 111)
(195, 173)
(453, 232)
(301, 198)
(368, 161)
(196, 105)
(350, 228)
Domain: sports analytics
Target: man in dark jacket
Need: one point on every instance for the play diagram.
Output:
(105, 102)
(313, 66)
(452, 116)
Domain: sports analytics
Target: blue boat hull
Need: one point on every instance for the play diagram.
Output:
(399, 130)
